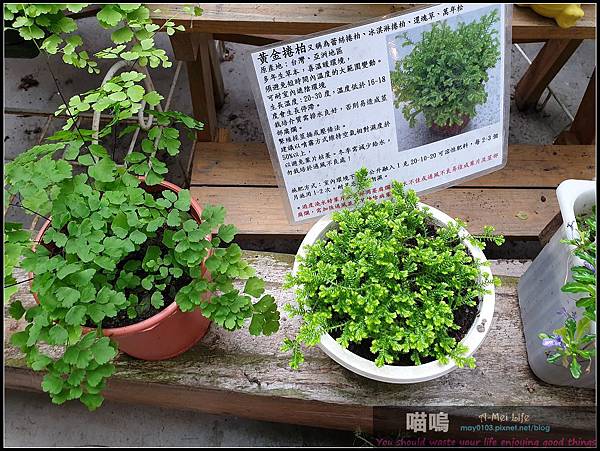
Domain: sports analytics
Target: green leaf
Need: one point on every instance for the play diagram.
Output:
(75, 315)
(136, 93)
(103, 171)
(227, 232)
(575, 368)
(152, 178)
(68, 296)
(173, 218)
(254, 287)
(157, 300)
(19, 339)
(52, 383)
(103, 351)
(109, 15)
(58, 335)
(214, 214)
(265, 319)
(183, 200)
(122, 35)
(212, 263)
(68, 269)
(190, 225)
(16, 310)
(92, 401)
(153, 98)
(82, 277)
(40, 362)
(138, 237)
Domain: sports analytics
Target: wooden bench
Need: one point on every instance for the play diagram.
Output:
(519, 200)
(237, 374)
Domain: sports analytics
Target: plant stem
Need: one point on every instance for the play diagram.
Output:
(29, 209)
(17, 283)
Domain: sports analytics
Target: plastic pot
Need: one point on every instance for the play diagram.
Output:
(451, 130)
(406, 374)
(541, 300)
(168, 333)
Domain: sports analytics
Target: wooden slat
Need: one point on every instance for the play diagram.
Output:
(301, 19)
(583, 128)
(258, 211)
(248, 164)
(238, 374)
(547, 63)
(529, 26)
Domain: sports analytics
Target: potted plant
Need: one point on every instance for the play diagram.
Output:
(444, 75)
(557, 294)
(124, 260)
(395, 291)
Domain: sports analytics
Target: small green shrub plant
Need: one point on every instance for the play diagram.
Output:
(116, 249)
(572, 344)
(444, 75)
(389, 278)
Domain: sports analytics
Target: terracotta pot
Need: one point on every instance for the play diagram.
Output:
(451, 130)
(170, 332)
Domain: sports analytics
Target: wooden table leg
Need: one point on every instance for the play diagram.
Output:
(194, 49)
(583, 128)
(217, 76)
(544, 68)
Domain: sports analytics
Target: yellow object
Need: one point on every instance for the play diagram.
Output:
(565, 14)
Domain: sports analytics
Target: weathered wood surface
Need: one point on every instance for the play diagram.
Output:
(237, 374)
(518, 200)
(528, 166)
(521, 213)
(300, 19)
(583, 128)
(547, 63)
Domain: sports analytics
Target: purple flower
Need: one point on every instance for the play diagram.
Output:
(553, 342)
(563, 311)
(590, 267)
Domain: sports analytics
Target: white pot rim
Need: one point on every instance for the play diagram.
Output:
(407, 374)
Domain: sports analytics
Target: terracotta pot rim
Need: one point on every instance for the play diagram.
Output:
(154, 320)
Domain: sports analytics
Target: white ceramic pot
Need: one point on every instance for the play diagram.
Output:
(540, 296)
(406, 374)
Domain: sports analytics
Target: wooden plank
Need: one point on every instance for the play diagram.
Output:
(217, 76)
(257, 211)
(548, 62)
(300, 19)
(251, 39)
(238, 374)
(194, 50)
(254, 211)
(528, 26)
(583, 128)
(248, 164)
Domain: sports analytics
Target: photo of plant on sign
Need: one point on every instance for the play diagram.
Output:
(445, 77)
